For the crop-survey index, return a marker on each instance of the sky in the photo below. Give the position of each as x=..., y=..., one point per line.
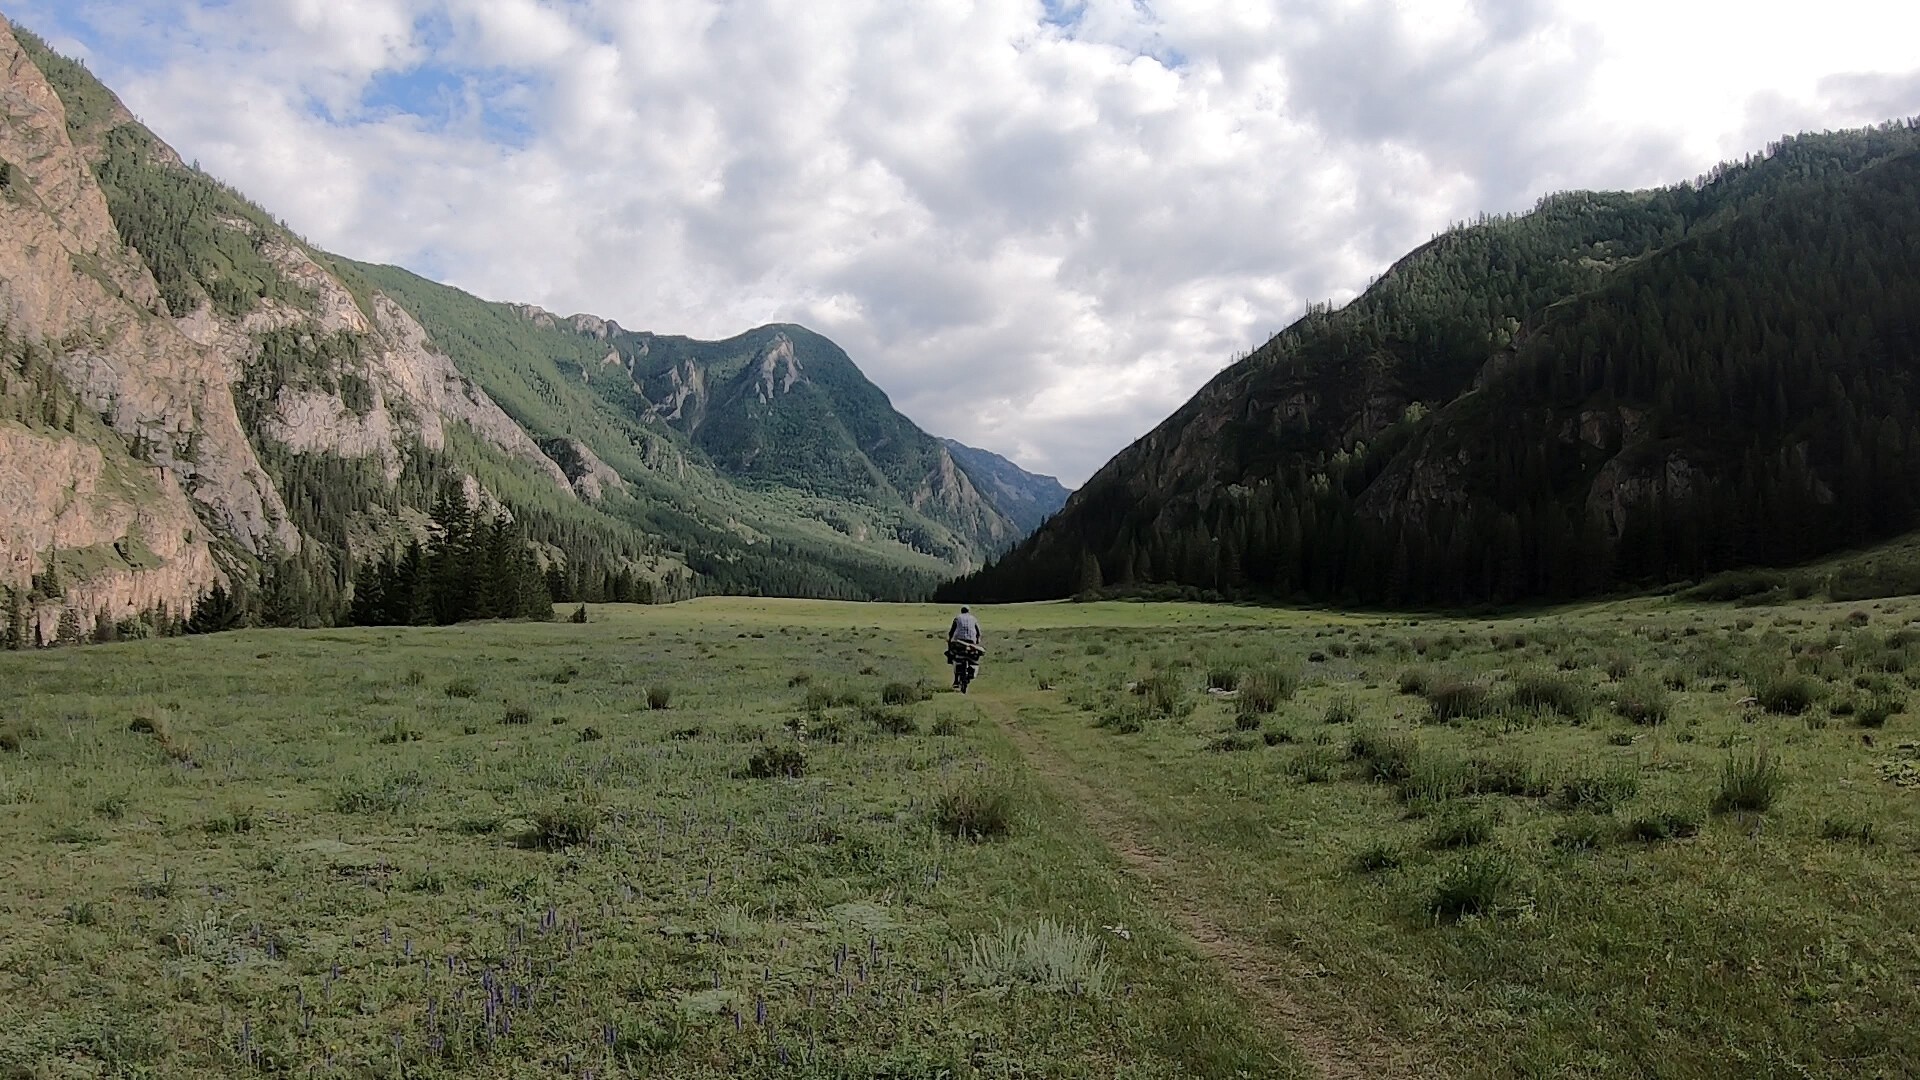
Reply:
x=1039, y=225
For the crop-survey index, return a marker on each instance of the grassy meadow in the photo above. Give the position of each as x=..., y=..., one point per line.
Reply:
x=758, y=838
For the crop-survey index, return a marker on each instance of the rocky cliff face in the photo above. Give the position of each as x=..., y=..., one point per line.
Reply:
x=166, y=381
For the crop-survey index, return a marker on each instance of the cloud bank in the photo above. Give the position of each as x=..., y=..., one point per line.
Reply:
x=1040, y=226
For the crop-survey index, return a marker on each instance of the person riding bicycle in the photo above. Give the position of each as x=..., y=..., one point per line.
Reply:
x=963, y=645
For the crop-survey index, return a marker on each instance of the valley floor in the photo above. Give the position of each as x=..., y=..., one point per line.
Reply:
x=739, y=838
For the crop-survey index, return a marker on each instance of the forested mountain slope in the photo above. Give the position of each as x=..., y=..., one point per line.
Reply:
x=1027, y=498
x=1617, y=389
x=193, y=398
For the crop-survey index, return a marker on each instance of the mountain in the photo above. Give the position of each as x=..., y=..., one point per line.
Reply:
x=193, y=398
x=1027, y=498
x=1615, y=390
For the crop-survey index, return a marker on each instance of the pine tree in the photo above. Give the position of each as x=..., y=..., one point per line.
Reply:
x=18, y=634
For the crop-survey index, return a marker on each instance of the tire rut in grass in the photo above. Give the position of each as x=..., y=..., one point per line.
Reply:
x=1337, y=1055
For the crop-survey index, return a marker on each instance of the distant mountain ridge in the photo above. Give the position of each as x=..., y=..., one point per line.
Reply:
x=193, y=397
x=1027, y=498
x=1617, y=390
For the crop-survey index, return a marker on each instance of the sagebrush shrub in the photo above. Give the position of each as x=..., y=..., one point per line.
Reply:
x=659, y=697
x=904, y=693
x=770, y=762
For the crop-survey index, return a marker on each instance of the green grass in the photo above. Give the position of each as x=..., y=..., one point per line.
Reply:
x=237, y=866
x=276, y=852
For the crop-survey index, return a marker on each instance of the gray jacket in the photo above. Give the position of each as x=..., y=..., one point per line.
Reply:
x=965, y=628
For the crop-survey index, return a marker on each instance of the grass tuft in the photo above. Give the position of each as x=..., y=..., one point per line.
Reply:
x=1475, y=885
x=1749, y=782
x=1788, y=694
x=1046, y=956
x=564, y=825
x=1554, y=693
x=1263, y=689
x=980, y=808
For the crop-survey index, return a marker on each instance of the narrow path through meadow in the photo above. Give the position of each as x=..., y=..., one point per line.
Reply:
x=1260, y=974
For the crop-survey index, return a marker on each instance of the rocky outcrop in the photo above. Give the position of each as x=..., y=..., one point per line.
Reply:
x=67, y=279
x=591, y=477
x=777, y=370
x=124, y=533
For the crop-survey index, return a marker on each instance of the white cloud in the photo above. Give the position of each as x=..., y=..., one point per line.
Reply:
x=1037, y=236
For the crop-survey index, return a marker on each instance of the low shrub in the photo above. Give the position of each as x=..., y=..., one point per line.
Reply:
x=770, y=762
x=399, y=731
x=980, y=808
x=1879, y=709
x=1342, y=710
x=1376, y=857
x=1434, y=778
x=1848, y=830
x=1511, y=776
x=564, y=825
x=1669, y=824
x=889, y=719
x=462, y=688
x=1581, y=834
x=517, y=714
x=1599, y=792
x=590, y=734
x=1643, y=701
x=1453, y=700
x=1749, y=782
x=903, y=693
x=1414, y=681
x=1227, y=744
x=1163, y=695
x=1246, y=721
x=1386, y=758
x=1263, y=689
x=1223, y=678
x=1787, y=694
x=1460, y=830
x=1316, y=765
x=1550, y=693
x=659, y=697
